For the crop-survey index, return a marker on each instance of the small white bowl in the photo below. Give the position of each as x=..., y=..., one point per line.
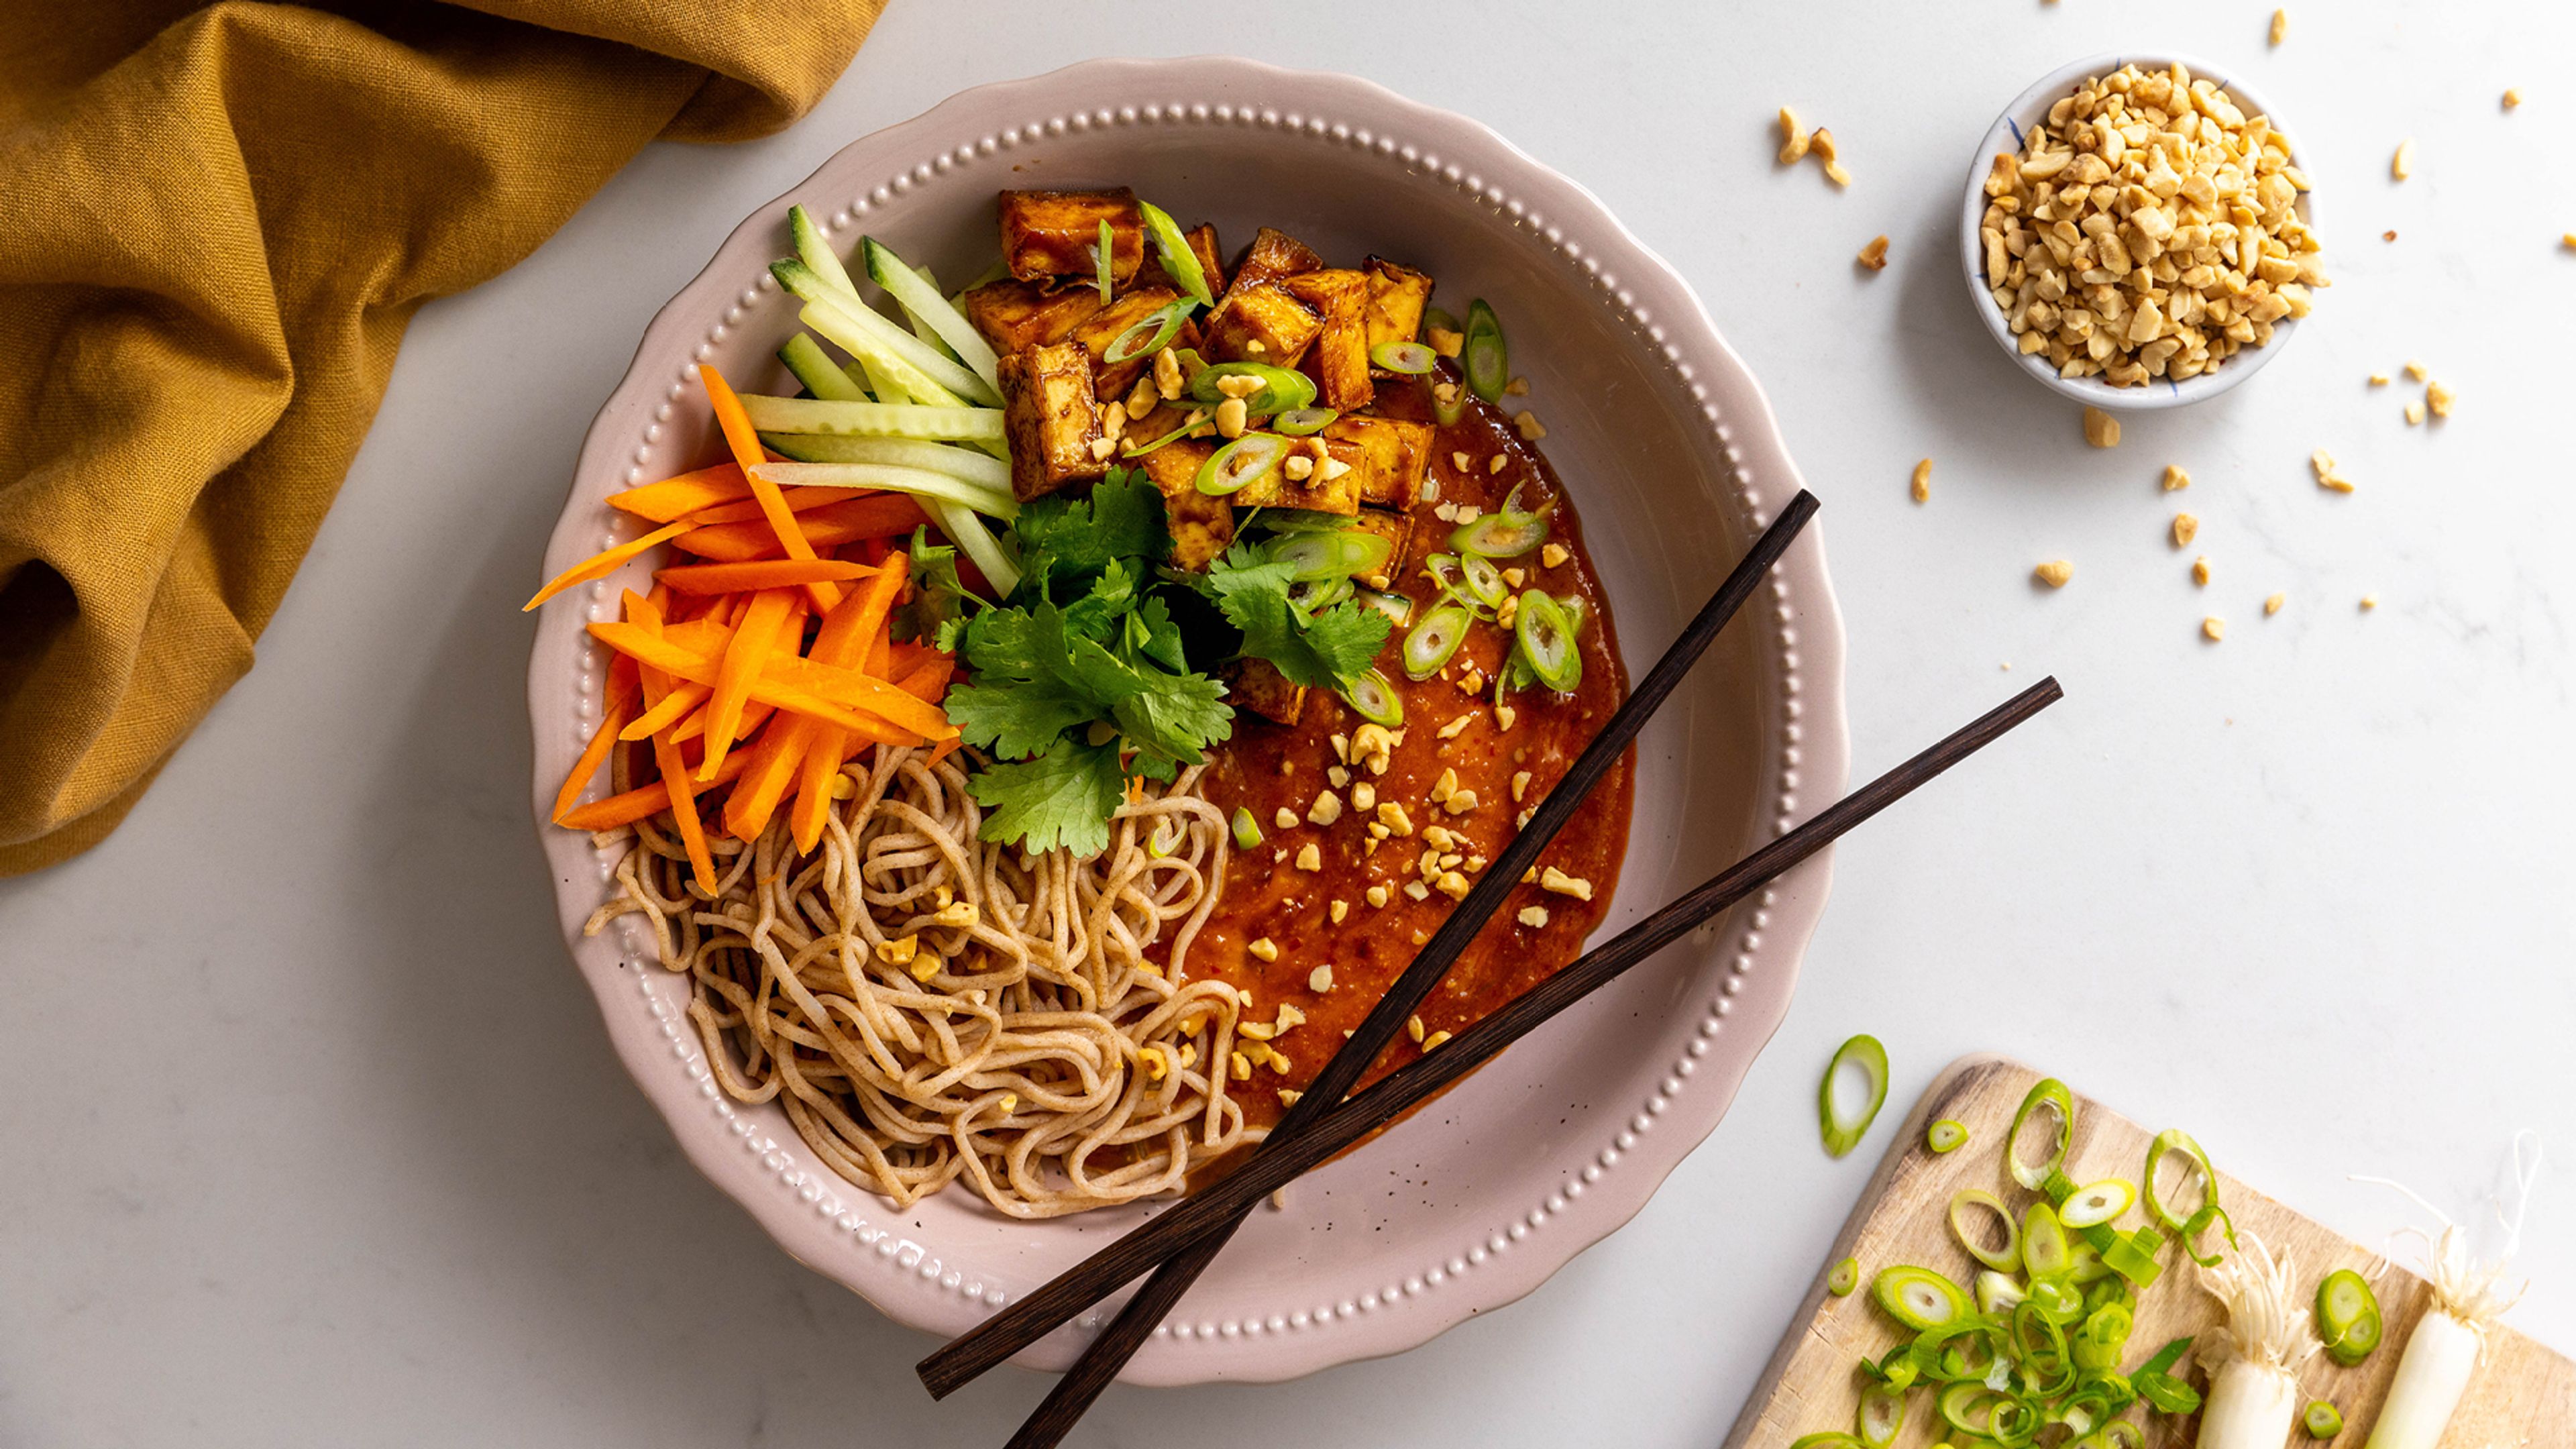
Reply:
x=2029, y=109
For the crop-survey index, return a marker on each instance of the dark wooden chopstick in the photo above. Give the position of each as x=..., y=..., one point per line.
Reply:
x=1202, y=1223
x=1043, y=1310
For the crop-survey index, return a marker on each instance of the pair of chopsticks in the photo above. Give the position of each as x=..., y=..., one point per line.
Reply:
x=1180, y=1243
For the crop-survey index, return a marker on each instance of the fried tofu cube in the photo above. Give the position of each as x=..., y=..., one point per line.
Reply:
x=1103, y=328
x=1389, y=457
x=1257, y=687
x=1340, y=361
x=1275, y=254
x=1202, y=526
x=1330, y=486
x=1057, y=233
x=1202, y=240
x=1261, y=323
x=1397, y=529
x=1398, y=295
x=1015, y=316
x=1053, y=419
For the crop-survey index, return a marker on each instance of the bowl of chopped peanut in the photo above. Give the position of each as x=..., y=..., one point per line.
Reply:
x=2137, y=232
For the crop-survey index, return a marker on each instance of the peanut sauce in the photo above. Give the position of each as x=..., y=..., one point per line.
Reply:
x=1268, y=767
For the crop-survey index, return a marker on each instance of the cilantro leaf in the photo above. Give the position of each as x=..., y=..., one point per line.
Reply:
x=1066, y=539
x=1171, y=725
x=1321, y=652
x=936, y=614
x=1064, y=797
x=1345, y=637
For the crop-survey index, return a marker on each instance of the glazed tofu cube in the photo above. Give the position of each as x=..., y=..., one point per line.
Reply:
x=1261, y=323
x=1202, y=240
x=1275, y=254
x=1053, y=419
x=1202, y=526
x=1057, y=233
x=1389, y=457
x=1103, y=328
x=1015, y=316
x=1397, y=296
x=1340, y=362
x=1330, y=484
x=1257, y=687
x=1397, y=530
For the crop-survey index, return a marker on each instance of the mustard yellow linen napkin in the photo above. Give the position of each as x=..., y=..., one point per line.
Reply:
x=215, y=222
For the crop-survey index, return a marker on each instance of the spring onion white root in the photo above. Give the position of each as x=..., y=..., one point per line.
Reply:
x=2468, y=1297
x=2254, y=1359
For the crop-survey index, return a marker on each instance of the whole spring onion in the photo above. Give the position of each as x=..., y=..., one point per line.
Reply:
x=1172, y=247
x=1150, y=334
x=1247, y=831
x=1485, y=358
x=1238, y=464
x=2254, y=1381
x=1410, y=358
x=1303, y=422
x=1281, y=389
x=1100, y=260
x=2443, y=1351
x=2098, y=1202
x=1843, y=1129
x=2052, y=1094
x=1946, y=1135
x=1546, y=644
x=1435, y=639
x=2005, y=1259
x=1918, y=1297
x=2322, y=1420
x=2347, y=1316
x=1372, y=698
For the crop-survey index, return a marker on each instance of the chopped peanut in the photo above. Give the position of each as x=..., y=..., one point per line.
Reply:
x=1530, y=428
x=1376, y=896
x=2200, y=571
x=1533, y=917
x=1552, y=879
x=1517, y=387
x=2416, y=370
x=1793, y=138
x=2414, y=412
x=2402, y=164
x=1520, y=785
x=1284, y=818
x=2054, y=573
x=1874, y=255
x=2101, y=429
x=1504, y=714
x=899, y=951
x=2370, y=601
x=1320, y=980
x=2273, y=604
x=1264, y=949
x=1392, y=816
x=2214, y=627
x=1553, y=555
x=1326, y=809
x=2185, y=528
x=1310, y=856
x=2512, y=97
x=2438, y=398
x=1445, y=342
x=1822, y=143
x=2329, y=472
x=2175, y=478
x=1456, y=727
x=1923, y=481
x=1434, y=1040
x=2280, y=25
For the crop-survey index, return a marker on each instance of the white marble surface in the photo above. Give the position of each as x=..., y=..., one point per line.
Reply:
x=308, y=1135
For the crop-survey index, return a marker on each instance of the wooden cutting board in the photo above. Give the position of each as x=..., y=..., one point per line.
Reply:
x=2523, y=1394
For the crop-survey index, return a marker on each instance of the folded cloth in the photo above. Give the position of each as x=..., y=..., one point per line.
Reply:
x=215, y=222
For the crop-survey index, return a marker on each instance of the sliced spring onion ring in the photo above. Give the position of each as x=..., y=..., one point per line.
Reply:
x=2190, y=1236
x=1485, y=357
x=2087, y=1267
x=1247, y=831
x=2134, y=1257
x=1239, y=463
x=1882, y=1414
x=2043, y=1242
x=2348, y=1319
x=1843, y=1130
x=1443, y=570
x=1918, y=1297
x=1315, y=598
x=1947, y=1135
x=1372, y=698
x=2050, y=1093
x=2097, y=1342
x=1165, y=839
x=1499, y=535
x=1282, y=389
x=1303, y=422
x=1149, y=335
x=1100, y=260
x=1338, y=554
x=1410, y=358
x=2321, y=1419
x=1844, y=1278
x=1447, y=413
x=1545, y=643
x=2005, y=1259
x=1397, y=608
x=1435, y=639
x=1482, y=581
x=1172, y=246
x=2098, y=1202
x=2174, y=1139
x=1826, y=1439
x=1998, y=1292
x=1173, y=436
x=2053, y=1298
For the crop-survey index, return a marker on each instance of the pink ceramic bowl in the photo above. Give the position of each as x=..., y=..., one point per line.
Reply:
x=1676, y=464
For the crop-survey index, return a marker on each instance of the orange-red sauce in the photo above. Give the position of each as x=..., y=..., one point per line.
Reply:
x=1266, y=767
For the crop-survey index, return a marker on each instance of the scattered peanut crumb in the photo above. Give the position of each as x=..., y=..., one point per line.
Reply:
x=2438, y=398
x=1413, y=1027
x=1527, y=422
x=1822, y=143
x=1434, y=1040
x=1517, y=387
x=2414, y=412
x=1288, y=1097
x=2101, y=429
x=1923, y=481
x=2185, y=529
x=1552, y=879
x=1874, y=254
x=1320, y=980
x=1504, y=714
x=2402, y=164
x=1444, y=341
x=1265, y=949
x=2389, y=235
x=1327, y=807
x=2280, y=25
x=2175, y=478
x=1457, y=459
x=1284, y=818
x=2273, y=604
x=1238, y=1065
x=1495, y=463
x=2054, y=573
x=2567, y=239
x=1299, y=467
x=1520, y=785
x=1534, y=917
x=2200, y=571
x=2416, y=370
x=2379, y=379
x=1364, y=797
x=1337, y=912
x=2512, y=97
x=1553, y=555
x=899, y=951
x=1376, y=896
x=2370, y=601
x=2329, y=472
x=1310, y=856
x=1456, y=727
x=1793, y=138
x=2214, y=627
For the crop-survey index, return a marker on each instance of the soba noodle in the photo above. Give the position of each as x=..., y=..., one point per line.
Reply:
x=1026, y=1043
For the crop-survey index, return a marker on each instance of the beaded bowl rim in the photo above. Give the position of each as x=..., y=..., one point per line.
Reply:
x=855, y=1238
